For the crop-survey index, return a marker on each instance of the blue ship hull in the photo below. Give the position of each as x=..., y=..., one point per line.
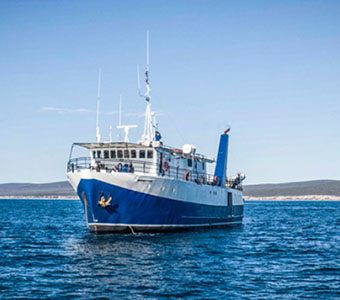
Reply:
x=131, y=211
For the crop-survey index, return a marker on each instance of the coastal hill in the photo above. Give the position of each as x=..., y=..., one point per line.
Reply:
x=54, y=189
x=314, y=187
x=63, y=189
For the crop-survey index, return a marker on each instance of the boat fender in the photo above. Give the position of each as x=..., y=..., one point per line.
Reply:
x=186, y=175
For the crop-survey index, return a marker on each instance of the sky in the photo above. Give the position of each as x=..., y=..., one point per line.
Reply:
x=268, y=69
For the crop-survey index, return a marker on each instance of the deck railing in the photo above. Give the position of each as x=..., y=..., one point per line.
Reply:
x=145, y=167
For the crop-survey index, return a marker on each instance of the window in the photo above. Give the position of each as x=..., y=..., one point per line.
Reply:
x=106, y=153
x=141, y=153
x=189, y=162
x=150, y=153
x=126, y=153
x=133, y=153
x=113, y=153
x=203, y=166
x=94, y=154
x=98, y=154
x=120, y=153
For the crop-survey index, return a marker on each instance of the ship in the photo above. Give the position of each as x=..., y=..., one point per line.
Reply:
x=147, y=186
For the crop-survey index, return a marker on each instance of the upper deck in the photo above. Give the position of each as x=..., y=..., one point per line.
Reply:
x=154, y=160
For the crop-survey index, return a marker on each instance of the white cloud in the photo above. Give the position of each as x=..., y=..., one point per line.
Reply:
x=62, y=110
x=110, y=113
x=136, y=114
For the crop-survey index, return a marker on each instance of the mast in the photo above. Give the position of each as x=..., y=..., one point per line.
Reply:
x=148, y=134
x=98, y=103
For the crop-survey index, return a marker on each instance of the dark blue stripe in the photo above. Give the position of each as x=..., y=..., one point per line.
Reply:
x=130, y=207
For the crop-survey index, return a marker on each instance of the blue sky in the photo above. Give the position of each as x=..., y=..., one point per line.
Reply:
x=270, y=69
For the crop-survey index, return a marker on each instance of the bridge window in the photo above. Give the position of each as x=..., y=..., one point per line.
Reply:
x=106, y=153
x=189, y=162
x=141, y=153
x=94, y=154
x=98, y=154
x=133, y=153
x=150, y=153
x=202, y=165
x=113, y=153
x=126, y=153
x=120, y=153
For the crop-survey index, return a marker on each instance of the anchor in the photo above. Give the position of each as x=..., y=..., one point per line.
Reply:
x=103, y=202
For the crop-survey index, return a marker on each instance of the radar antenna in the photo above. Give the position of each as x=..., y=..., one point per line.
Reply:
x=126, y=131
x=125, y=127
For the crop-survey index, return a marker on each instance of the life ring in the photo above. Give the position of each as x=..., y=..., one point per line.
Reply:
x=166, y=166
x=119, y=167
x=186, y=175
x=215, y=180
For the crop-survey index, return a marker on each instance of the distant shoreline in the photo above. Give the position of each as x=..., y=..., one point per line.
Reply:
x=294, y=198
x=313, y=190
x=39, y=198
x=246, y=198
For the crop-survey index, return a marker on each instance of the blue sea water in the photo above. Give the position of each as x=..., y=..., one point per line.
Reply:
x=283, y=250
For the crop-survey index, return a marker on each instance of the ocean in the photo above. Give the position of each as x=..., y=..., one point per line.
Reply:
x=283, y=250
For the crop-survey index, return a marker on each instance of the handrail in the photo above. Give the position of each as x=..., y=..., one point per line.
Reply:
x=143, y=166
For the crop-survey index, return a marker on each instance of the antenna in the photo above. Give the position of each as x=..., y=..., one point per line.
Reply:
x=138, y=82
x=148, y=134
x=98, y=103
x=120, y=110
x=110, y=134
x=119, y=116
x=154, y=124
x=147, y=69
